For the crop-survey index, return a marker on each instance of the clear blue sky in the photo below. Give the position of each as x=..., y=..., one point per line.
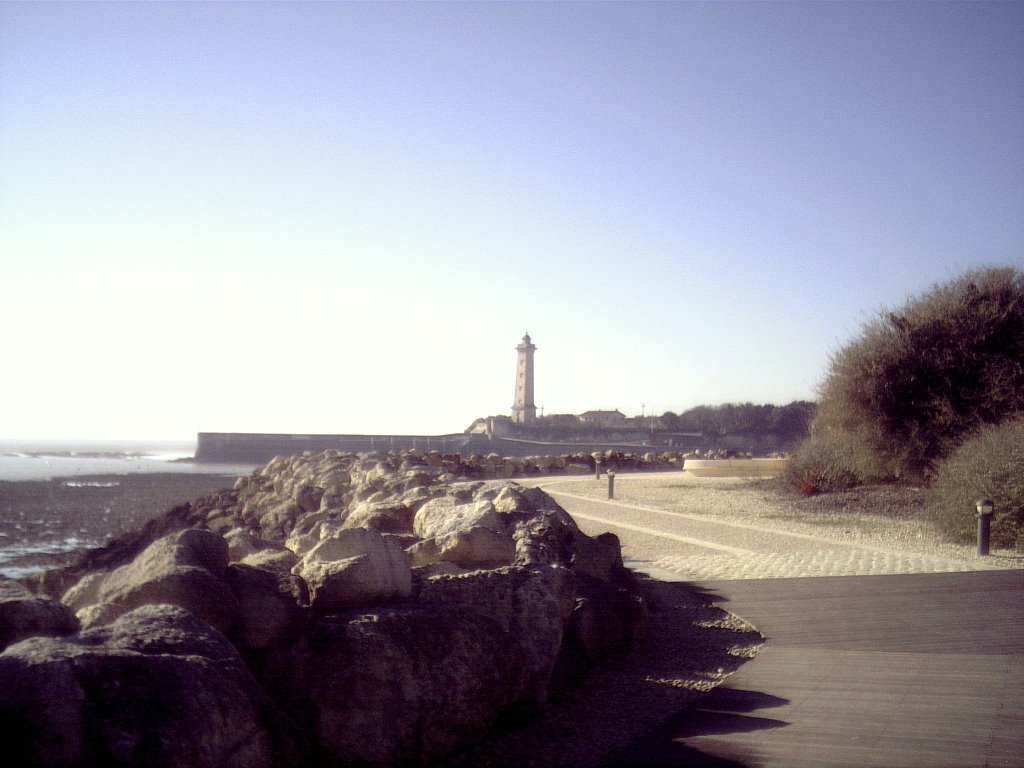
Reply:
x=333, y=217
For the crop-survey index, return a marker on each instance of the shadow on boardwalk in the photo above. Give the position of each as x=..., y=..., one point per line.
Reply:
x=918, y=671
x=691, y=647
x=723, y=711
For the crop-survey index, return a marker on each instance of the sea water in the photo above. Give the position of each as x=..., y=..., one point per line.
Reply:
x=42, y=460
x=47, y=459
x=9, y=553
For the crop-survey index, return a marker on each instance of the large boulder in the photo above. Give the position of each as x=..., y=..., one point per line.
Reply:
x=272, y=559
x=158, y=688
x=443, y=516
x=184, y=569
x=270, y=605
x=354, y=567
x=243, y=542
x=531, y=605
x=383, y=516
x=187, y=586
x=401, y=685
x=86, y=592
x=304, y=537
x=471, y=535
x=278, y=519
x=100, y=614
x=307, y=496
x=192, y=547
x=599, y=557
x=475, y=547
x=244, y=546
x=22, y=614
x=336, y=498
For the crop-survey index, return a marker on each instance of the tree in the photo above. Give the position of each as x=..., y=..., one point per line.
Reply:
x=788, y=423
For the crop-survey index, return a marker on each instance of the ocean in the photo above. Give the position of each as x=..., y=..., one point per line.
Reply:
x=38, y=532
x=47, y=459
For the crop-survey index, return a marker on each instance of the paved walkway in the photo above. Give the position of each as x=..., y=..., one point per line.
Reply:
x=861, y=668
x=677, y=545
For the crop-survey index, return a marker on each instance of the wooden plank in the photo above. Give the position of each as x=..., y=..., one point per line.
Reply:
x=927, y=613
x=922, y=671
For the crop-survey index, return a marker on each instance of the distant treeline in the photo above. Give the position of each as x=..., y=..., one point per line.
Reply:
x=788, y=424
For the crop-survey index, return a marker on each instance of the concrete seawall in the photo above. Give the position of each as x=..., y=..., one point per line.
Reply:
x=258, y=448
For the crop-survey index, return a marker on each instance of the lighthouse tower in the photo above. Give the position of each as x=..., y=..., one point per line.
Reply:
x=523, y=409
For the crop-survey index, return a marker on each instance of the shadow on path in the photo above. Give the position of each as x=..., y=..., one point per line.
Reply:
x=722, y=711
x=916, y=670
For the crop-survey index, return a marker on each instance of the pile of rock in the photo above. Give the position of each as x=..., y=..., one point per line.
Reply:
x=478, y=466
x=332, y=609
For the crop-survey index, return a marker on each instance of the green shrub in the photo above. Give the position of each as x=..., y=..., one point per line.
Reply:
x=989, y=466
x=832, y=462
x=920, y=379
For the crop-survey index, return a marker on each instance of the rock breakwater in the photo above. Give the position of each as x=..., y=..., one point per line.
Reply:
x=330, y=609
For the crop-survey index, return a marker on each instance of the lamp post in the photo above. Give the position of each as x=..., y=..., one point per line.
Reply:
x=984, y=515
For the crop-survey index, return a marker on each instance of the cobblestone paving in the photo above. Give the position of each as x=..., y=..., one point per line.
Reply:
x=825, y=562
x=692, y=548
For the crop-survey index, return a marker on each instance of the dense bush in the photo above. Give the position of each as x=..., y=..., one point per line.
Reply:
x=919, y=380
x=823, y=464
x=989, y=466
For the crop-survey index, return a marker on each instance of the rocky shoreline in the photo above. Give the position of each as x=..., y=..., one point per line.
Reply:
x=359, y=610
x=47, y=524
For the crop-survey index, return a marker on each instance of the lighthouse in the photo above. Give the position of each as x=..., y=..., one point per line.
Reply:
x=523, y=409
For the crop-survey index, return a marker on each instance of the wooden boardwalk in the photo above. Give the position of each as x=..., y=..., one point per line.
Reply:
x=909, y=671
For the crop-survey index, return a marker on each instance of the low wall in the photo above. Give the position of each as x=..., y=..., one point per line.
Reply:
x=735, y=467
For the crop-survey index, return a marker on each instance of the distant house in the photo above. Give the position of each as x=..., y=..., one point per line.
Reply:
x=603, y=418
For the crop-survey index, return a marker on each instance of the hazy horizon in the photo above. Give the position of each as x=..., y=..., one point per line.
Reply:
x=342, y=217
x=40, y=443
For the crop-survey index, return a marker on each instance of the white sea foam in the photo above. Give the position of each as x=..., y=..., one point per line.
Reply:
x=17, y=571
x=169, y=456
x=9, y=555
x=69, y=544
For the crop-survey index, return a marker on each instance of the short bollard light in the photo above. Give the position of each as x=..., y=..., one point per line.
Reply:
x=611, y=484
x=984, y=507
